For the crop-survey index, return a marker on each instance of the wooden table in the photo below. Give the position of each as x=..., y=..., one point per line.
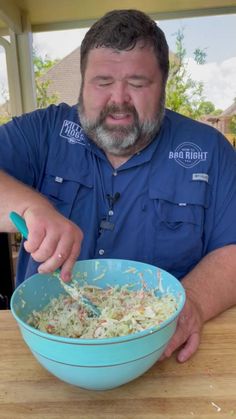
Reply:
x=203, y=387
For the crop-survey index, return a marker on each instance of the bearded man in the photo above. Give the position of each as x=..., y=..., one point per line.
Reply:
x=119, y=176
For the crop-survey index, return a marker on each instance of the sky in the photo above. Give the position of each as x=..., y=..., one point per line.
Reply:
x=215, y=35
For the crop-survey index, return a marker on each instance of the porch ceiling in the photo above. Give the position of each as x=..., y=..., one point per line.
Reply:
x=45, y=15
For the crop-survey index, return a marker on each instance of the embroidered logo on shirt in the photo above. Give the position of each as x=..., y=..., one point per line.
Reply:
x=200, y=176
x=188, y=155
x=72, y=132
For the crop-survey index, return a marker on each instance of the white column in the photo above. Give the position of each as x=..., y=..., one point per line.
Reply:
x=13, y=78
x=22, y=67
x=20, y=71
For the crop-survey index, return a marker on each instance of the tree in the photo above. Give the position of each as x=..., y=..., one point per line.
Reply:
x=41, y=66
x=208, y=108
x=5, y=114
x=232, y=125
x=4, y=119
x=183, y=94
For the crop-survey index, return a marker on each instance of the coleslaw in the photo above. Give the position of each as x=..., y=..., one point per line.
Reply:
x=123, y=311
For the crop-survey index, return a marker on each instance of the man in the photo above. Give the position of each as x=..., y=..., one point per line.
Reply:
x=126, y=178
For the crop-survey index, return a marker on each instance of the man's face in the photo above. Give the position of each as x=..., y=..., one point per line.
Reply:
x=122, y=99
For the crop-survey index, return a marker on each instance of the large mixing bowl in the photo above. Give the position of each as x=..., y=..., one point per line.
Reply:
x=97, y=364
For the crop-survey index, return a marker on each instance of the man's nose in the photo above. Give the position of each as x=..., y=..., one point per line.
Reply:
x=119, y=93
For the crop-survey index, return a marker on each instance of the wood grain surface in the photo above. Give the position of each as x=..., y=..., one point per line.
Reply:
x=203, y=387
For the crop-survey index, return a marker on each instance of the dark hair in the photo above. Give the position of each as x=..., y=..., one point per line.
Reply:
x=121, y=30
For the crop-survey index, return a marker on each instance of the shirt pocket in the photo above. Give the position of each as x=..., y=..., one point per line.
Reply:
x=63, y=190
x=175, y=216
x=178, y=225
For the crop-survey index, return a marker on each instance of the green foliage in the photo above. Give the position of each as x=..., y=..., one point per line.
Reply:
x=217, y=112
x=4, y=119
x=183, y=94
x=43, y=98
x=41, y=66
x=5, y=114
x=208, y=108
x=232, y=125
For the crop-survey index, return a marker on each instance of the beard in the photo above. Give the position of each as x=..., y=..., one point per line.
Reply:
x=121, y=140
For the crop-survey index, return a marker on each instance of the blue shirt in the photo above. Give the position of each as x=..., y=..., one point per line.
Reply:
x=175, y=200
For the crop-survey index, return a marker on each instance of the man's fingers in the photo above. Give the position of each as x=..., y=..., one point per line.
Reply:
x=46, y=248
x=34, y=241
x=69, y=263
x=64, y=256
x=189, y=347
x=53, y=240
x=67, y=268
x=174, y=343
x=60, y=253
x=187, y=335
x=180, y=336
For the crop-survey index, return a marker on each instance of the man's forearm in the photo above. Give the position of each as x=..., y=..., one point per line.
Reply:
x=212, y=283
x=15, y=196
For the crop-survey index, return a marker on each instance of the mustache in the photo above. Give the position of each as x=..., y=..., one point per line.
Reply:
x=114, y=108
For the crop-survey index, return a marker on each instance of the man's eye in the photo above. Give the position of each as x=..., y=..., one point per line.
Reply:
x=104, y=83
x=136, y=85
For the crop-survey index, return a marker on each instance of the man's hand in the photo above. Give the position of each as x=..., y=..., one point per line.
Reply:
x=210, y=289
x=53, y=240
x=187, y=334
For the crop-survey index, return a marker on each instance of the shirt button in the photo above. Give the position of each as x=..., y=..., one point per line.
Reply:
x=110, y=212
x=115, y=173
x=101, y=252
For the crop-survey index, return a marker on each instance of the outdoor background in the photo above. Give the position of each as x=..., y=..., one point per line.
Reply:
x=214, y=35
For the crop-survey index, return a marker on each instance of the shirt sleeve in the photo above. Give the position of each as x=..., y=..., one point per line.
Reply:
x=23, y=146
x=220, y=225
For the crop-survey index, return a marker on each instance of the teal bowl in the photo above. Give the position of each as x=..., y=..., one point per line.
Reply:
x=96, y=364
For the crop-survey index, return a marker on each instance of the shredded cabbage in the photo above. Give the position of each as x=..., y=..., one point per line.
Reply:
x=123, y=311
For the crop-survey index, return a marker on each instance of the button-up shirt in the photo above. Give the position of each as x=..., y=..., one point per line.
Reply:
x=168, y=205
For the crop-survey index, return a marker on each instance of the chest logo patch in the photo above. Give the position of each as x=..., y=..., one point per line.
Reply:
x=72, y=132
x=188, y=155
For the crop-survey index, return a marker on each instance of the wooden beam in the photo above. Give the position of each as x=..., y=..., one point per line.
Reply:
x=11, y=15
x=68, y=23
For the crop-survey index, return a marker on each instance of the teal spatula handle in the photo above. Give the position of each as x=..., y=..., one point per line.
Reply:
x=21, y=226
x=19, y=223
